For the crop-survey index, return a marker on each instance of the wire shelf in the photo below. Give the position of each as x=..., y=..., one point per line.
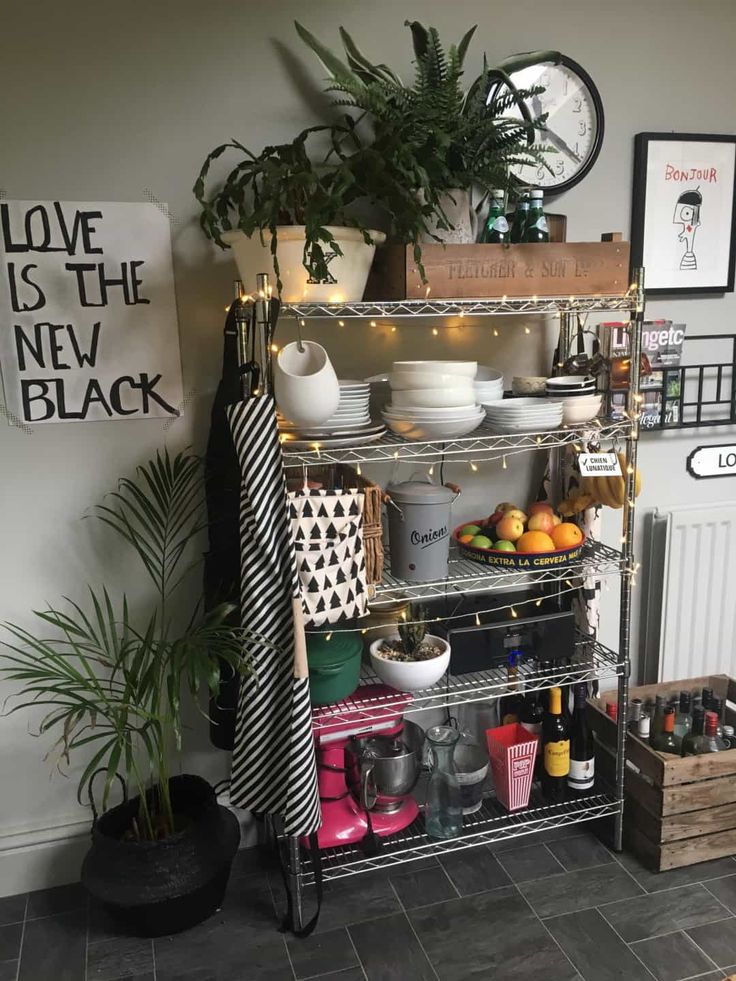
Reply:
x=466, y=576
x=491, y=823
x=483, y=441
x=590, y=662
x=458, y=307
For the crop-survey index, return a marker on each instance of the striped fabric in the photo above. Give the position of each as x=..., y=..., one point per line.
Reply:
x=273, y=767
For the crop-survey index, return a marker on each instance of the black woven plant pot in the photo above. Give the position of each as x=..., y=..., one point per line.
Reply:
x=167, y=886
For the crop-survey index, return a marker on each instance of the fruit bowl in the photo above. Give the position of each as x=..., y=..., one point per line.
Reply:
x=516, y=560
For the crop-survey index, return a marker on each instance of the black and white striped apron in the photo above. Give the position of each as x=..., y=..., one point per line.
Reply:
x=273, y=766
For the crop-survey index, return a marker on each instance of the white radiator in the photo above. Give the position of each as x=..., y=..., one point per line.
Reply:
x=693, y=555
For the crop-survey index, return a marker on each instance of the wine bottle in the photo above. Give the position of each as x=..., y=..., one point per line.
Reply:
x=658, y=717
x=683, y=720
x=531, y=716
x=709, y=741
x=691, y=740
x=707, y=697
x=664, y=741
x=556, y=749
x=582, y=748
x=635, y=712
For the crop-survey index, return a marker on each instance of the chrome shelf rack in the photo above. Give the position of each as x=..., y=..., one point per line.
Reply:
x=465, y=576
x=492, y=823
x=481, y=443
x=591, y=661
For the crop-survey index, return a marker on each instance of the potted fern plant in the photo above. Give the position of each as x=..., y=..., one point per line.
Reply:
x=436, y=137
x=411, y=658
x=280, y=211
x=111, y=684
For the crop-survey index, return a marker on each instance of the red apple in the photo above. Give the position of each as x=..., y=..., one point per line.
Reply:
x=539, y=506
x=541, y=521
x=495, y=517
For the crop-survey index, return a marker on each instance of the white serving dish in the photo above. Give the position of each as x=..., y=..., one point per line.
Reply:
x=512, y=405
x=403, y=380
x=570, y=381
x=425, y=430
x=575, y=411
x=433, y=398
x=433, y=415
x=410, y=675
x=466, y=369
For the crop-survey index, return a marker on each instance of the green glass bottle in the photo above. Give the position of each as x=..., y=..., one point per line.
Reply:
x=536, y=227
x=520, y=219
x=496, y=229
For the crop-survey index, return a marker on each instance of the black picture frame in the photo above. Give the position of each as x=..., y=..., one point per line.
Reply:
x=642, y=146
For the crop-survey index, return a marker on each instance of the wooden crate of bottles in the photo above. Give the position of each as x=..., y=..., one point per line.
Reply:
x=480, y=271
x=678, y=810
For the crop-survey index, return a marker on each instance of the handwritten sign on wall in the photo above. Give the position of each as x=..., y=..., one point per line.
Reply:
x=88, y=327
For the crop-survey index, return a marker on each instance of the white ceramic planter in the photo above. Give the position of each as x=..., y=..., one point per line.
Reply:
x=306, y=386
x=410, y=675
x=349, y=271
x=456, y=205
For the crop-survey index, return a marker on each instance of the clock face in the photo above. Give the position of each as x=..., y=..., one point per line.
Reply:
x=574, y=126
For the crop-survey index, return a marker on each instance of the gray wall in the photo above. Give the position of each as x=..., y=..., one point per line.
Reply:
x=104, y=101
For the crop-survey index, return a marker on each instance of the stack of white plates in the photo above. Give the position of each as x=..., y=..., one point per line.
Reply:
x=488, y=384
x=353, y=409
x=570, y=386
x=525, y=415
x=433, y=399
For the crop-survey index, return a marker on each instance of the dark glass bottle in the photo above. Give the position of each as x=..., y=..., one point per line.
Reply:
x=683, y=720
x=581, y=777
x=521, y=216
x=710, y=741
x=556, y=749
x=664, y=741
x=536, y=225
x=657, y=717
x=707, y=698
x=690, y=741
x=496, y=229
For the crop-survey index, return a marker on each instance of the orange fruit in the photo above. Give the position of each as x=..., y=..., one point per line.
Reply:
x=540, y=506
x=466, y=538
x=509, y=528
x=535, y=541
x=566, y=535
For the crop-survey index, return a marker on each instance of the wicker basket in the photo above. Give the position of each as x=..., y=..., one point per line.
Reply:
x=344, y=476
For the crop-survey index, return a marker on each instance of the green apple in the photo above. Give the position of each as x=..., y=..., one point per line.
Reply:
x=481, y=541
x=503, y=546
x=470, y=530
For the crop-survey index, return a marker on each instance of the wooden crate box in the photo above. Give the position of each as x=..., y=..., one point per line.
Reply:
x=481, y=271
x=678, y=811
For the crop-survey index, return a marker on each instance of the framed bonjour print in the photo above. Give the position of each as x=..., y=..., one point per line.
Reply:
x=683, y=216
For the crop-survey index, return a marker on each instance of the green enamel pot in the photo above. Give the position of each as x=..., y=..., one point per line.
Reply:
x=334, y=665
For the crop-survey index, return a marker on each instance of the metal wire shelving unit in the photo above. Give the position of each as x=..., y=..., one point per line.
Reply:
x=592, y=660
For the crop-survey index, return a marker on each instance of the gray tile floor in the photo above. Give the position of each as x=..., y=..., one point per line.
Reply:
x=558, y=906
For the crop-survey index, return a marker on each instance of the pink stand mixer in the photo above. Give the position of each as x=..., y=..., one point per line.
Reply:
x=366, y=772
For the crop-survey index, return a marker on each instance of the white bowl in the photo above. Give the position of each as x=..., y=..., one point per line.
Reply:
x=528, y=385
x=512, y=405
x=402, y=380
x=433, y=398
x=433, y=415
x=423, y=430
x=466, y=369
x=485, y=373
x=410, y=675
x=576, y=411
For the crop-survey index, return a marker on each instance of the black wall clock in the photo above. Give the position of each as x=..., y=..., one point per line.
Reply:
x=574, y=123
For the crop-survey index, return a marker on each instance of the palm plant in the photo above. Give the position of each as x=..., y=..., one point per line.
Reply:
x=112, y=686
x=436, y=135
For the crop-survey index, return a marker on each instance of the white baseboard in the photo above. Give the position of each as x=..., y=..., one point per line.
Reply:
x=43, y=857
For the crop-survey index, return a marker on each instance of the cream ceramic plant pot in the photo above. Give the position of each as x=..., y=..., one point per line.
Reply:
x=348, y=272
x=460, y=214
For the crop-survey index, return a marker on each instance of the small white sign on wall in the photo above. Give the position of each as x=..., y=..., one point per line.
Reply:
x=88, y=327
x=712, y=461
x=599, y=465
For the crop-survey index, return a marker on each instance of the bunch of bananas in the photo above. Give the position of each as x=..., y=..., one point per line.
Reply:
x=610, y=491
